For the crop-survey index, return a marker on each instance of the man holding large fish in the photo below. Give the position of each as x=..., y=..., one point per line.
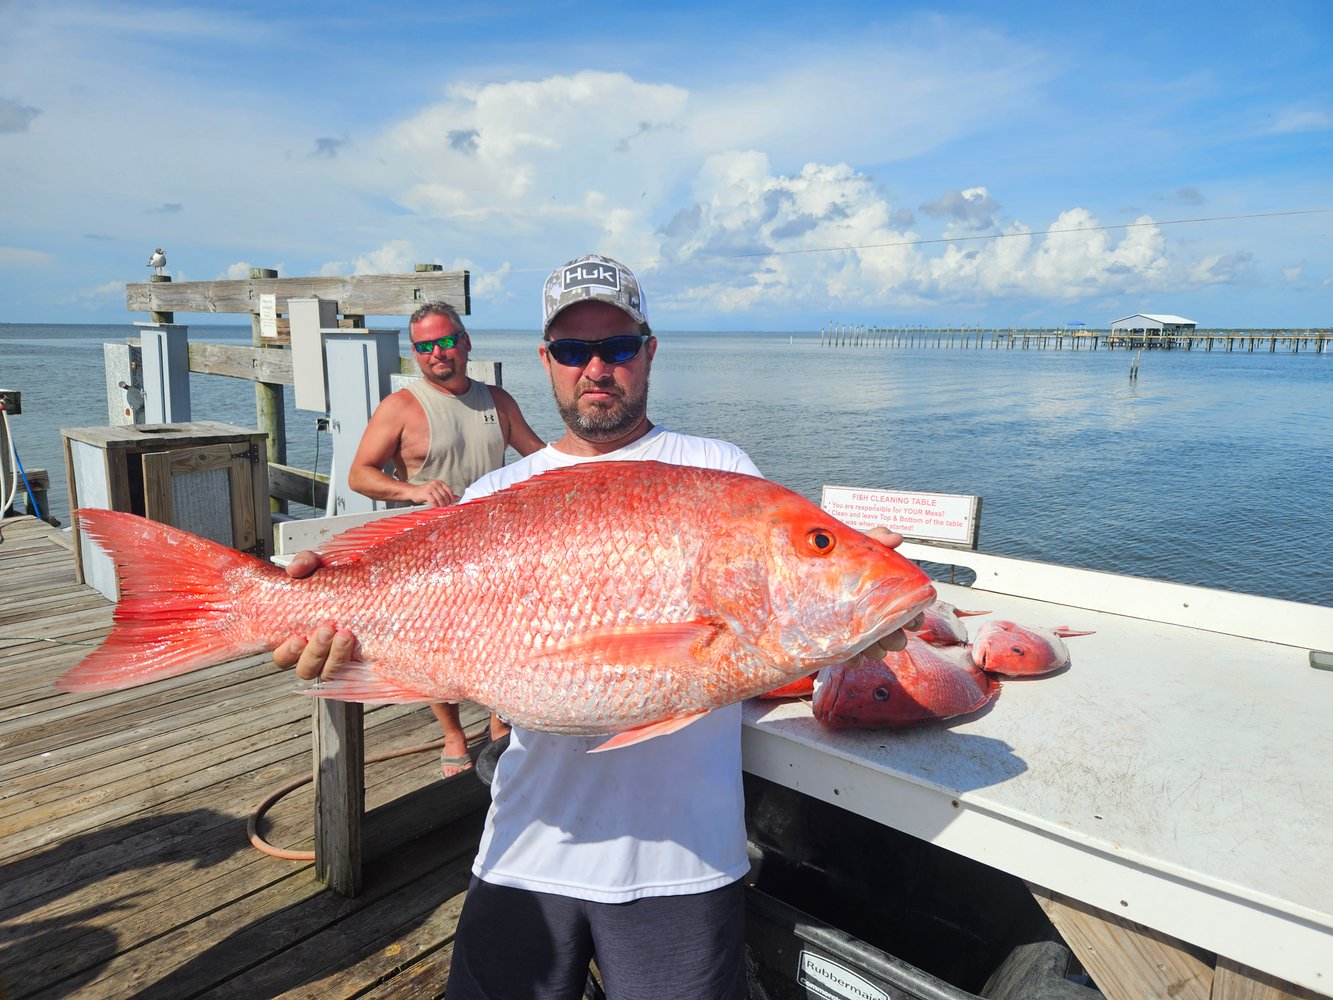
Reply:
x=701, y=586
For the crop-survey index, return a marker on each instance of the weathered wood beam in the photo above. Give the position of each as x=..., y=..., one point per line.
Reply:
x=259, y=364
x=288, y=483
x=356, y=295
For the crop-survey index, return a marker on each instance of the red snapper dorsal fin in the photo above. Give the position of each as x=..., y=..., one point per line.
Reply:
x=347, y=547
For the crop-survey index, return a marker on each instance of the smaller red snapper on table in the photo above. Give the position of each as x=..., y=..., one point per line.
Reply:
x=1013, y=650
x=919, y=684
x=933, y=678
x=941, y=625
x=625, y=598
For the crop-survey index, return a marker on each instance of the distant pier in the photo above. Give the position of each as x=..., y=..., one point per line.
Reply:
x=1268, y=341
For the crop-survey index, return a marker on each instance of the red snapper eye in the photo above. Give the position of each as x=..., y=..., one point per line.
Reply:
x=821, y=541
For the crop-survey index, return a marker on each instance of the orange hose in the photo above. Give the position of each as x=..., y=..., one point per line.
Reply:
x=252, y=824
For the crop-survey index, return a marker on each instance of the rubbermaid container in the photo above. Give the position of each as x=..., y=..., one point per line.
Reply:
x=793, y=956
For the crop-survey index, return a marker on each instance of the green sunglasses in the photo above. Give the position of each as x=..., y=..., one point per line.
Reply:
x=443, y=343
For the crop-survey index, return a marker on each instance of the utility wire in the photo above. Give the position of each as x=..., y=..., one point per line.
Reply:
x=1001, y=236
x=965, y=239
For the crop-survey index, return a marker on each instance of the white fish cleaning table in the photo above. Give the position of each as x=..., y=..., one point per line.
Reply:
x=1168, y=798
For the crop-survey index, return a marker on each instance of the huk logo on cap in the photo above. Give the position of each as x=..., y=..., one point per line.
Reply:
x=588, y=273
x=592, y=277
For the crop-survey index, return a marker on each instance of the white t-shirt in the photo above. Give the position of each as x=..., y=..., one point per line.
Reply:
x=664, y=817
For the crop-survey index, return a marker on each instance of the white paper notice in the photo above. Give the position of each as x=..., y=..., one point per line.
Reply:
x=268, y=315
x=950, y=518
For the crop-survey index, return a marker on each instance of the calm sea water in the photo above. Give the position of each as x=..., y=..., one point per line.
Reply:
x=1213, y=469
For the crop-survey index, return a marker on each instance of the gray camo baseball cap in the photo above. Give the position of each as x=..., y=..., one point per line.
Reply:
x=592, y=276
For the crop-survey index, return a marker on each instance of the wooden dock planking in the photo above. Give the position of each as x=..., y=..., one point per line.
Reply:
x=124, y=864
x=268, y=756
x=173, y=743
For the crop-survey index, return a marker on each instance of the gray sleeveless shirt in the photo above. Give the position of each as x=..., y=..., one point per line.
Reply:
x=465, y=437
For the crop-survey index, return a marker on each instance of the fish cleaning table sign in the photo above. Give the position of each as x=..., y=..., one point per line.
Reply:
x=943, y=518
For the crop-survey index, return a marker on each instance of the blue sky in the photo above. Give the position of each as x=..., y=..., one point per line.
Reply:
x=730, y=153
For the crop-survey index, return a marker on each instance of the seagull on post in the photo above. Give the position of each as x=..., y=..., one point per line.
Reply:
x=157, y=261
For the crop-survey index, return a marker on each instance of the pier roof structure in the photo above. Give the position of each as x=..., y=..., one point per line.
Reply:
x=1153, y=321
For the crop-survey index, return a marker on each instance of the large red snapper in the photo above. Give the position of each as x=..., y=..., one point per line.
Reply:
x=921, y=683
x=608, y=597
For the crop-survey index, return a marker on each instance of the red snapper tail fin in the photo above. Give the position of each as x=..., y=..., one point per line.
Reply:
x=178, y=607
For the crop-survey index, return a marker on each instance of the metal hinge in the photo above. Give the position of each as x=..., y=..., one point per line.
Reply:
x=253, y=453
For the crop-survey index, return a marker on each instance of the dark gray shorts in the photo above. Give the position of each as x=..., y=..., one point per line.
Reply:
x=513, y=944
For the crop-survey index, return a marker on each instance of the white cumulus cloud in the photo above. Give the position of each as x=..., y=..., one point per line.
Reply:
x=393, y=257
x=533, y=154
x=753, y=238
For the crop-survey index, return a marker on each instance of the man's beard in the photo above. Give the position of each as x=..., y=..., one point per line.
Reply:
x=603, y=424
x=450, y=370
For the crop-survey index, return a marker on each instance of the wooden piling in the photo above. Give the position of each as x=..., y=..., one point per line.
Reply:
x=270, y=417
x=161, y=317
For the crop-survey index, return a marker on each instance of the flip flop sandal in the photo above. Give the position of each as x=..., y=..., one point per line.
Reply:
x=463, y=762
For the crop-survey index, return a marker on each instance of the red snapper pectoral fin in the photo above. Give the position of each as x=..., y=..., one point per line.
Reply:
x=631, y=736
x=638, y=647
x=657, y=644
x=357, y=681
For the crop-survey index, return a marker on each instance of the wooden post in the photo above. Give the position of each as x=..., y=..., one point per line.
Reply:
x=270, y=417
x=161, y=317
x=340, y=797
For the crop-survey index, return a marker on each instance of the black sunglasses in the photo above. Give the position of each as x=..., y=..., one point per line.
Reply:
x=612, y=350
x=443, y=343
